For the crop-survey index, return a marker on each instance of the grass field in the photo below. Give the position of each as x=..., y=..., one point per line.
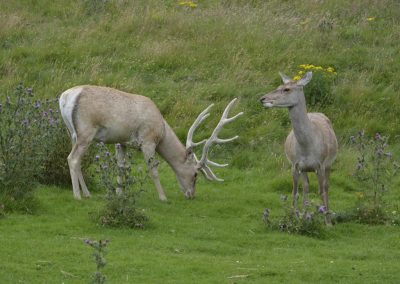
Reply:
x=217, y=238
x=184, y=59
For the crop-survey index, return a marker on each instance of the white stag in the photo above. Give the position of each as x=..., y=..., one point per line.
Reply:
x=112, y=116
x=311, y=145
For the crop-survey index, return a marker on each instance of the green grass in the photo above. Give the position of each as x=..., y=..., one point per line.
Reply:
x=185, y=59
x=218, y=235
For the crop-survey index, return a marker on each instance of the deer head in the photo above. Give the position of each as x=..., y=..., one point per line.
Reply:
x=287, y=95
x=195, y=165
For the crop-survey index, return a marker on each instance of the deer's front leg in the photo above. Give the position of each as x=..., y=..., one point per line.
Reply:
x=306, y=185
x=120, y=151
x=149, y=154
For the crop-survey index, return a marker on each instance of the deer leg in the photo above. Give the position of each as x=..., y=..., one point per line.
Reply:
x=74, y=163
x=120, y=151
x=323, y=175
x=295, y=174
x=149, y=155
x=306, y=184
x=328, y=220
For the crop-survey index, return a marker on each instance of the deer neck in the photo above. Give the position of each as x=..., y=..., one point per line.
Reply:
x=301, y=124
x=172, y=150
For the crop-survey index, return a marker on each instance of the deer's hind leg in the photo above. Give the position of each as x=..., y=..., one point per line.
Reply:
x=323, y=176
x=74, y=162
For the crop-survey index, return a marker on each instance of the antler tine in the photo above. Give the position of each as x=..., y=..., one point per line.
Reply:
x=202, y=116
x=204, y=162
x=209, y=174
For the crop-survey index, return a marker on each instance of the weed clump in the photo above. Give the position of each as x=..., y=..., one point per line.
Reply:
x=374, y=171
x=307, y=221
x=124, y=182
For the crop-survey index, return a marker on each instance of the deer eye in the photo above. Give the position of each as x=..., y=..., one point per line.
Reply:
x=286, y=90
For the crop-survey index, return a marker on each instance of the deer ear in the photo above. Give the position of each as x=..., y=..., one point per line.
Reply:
x=285, y=78
x=305, y=80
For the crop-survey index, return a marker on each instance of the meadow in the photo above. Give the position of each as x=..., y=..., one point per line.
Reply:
x=185, y=57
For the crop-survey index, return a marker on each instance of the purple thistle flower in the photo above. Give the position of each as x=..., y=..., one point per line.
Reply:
x=321, y=209
x=45, y=114
x=29, y=91
x=51, y=121
x=118, y=146
x=353, y=139
x=107, y=154
x=97, y=158
x=37, y=105
x=50, y=110
x=307, y=203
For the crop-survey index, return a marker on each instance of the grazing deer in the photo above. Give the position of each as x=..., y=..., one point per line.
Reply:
x=311, y=145
x=112, y=116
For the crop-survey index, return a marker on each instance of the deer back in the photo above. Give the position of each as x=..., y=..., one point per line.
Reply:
x=117, y=116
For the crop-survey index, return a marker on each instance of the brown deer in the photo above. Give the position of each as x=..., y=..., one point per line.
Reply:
x=112, y=116
x=311, y=145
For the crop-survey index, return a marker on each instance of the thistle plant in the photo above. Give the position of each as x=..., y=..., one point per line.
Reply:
x=99, y=248
x=26, y=131
x=374, y=170
x=124, y=182
x=308, y=220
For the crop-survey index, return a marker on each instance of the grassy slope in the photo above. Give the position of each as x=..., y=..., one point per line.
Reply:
x=184, y=59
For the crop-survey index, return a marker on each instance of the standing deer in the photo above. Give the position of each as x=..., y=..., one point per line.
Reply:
x=112, y=116
x=311, y=145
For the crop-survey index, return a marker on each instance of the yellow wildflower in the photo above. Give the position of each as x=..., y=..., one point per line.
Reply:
x=309, y=66
x=330, y=70
x=318, y=68
x=296, y=78
x=370, y=19
x=301, y=72
x=188, y=3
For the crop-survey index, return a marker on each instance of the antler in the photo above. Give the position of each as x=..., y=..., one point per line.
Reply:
x=204, y=162
x=202, y=116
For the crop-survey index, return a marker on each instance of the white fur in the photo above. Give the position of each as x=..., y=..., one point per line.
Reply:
x=67, y=103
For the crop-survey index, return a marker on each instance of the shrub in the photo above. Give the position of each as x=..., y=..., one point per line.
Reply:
x=123, y=183
x=308, y=221
x=319, y=90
